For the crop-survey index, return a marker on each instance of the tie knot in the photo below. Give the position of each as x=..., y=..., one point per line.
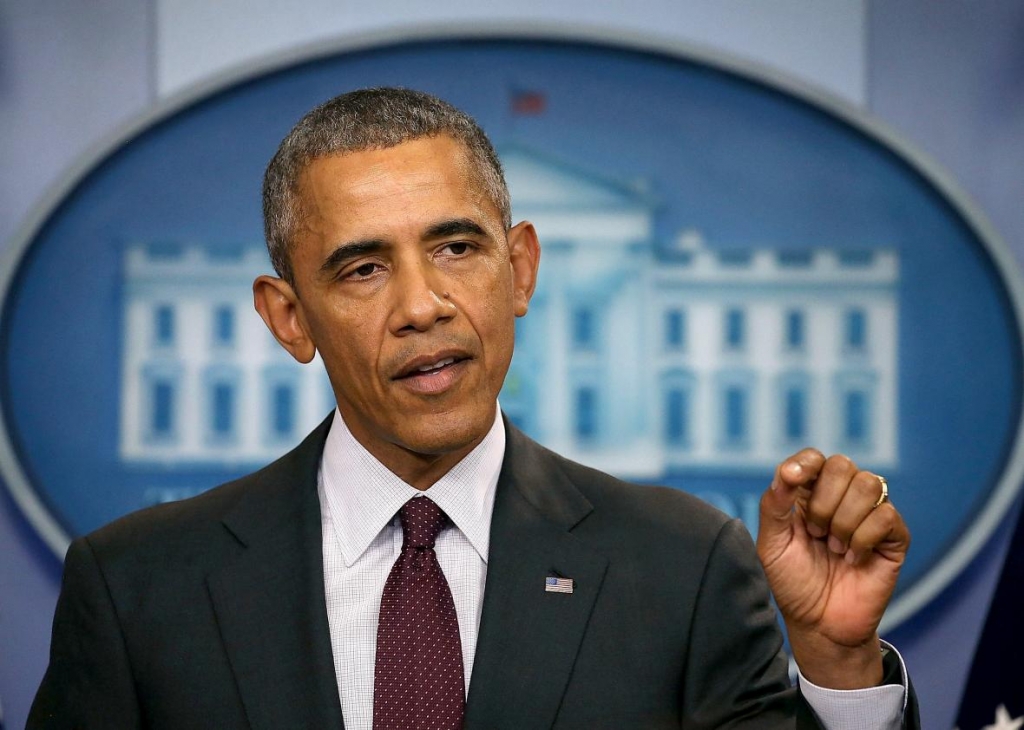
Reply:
x=422, y=521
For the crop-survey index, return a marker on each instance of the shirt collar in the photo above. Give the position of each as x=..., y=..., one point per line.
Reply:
x=363, y=495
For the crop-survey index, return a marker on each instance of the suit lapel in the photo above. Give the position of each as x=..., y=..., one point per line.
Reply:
x=269, y=599
x=529, y=638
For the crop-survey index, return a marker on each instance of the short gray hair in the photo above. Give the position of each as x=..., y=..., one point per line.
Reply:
x=364, y=120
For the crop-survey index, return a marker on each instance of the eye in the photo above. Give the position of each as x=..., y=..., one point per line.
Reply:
x=457, y=248
x=363, y=271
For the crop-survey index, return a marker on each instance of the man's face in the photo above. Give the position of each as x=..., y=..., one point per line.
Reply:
x=407, y=284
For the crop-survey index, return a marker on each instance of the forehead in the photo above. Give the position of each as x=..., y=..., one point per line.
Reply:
x=412, y=172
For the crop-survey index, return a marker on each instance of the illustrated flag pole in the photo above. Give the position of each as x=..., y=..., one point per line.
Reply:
x=994, y=698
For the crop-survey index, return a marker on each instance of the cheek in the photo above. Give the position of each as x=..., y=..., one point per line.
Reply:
x=498, y=332
x=350, y=345
x=501, y=307
x=491, y=290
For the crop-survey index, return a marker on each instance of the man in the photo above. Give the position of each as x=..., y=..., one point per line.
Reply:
x=558, y=596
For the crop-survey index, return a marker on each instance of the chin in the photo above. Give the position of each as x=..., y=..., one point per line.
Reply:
x=450, y=432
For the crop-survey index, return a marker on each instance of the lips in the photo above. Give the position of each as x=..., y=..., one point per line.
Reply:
x=436, y=365
x=432, y=374
x=426, y=365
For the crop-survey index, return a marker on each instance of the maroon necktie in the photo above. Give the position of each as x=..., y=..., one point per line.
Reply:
x=418, y=682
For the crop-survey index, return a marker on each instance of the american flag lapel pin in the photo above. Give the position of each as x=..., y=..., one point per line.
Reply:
x=557, y=584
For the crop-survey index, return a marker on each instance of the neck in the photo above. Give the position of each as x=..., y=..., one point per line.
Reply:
x=422, y=471
x=423, y=454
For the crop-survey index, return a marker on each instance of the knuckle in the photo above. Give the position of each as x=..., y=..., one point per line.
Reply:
x=818, y=513
x=845, y=524
x=842, y=529
x=840, y=463
x=866, y=484
x=861, y=542
x=810, y=455
x=893, y=520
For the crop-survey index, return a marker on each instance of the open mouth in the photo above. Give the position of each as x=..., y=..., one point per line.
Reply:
x=440, y=364
x=433, y=375
x=433, y=367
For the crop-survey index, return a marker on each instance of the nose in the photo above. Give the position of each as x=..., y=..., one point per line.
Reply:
x=420, y=298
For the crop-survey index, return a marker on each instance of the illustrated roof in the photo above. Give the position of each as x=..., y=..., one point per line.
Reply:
x=537, y=179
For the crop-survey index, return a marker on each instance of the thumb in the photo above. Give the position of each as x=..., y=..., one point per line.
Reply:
x=777, y=515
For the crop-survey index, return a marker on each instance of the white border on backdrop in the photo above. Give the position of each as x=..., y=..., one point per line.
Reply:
x=926, y=588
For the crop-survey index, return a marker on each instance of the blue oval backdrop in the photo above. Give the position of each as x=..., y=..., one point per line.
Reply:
x=730, y=272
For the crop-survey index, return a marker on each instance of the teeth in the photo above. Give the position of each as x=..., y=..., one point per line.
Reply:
x=436, y=365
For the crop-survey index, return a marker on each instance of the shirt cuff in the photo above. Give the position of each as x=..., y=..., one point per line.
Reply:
x=858, y=709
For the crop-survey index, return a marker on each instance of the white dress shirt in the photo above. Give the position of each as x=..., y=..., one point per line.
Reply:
x=362, y=538
x=855, y=709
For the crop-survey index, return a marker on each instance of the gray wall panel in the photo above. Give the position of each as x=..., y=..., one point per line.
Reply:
x=949, y=77
x=70, y=74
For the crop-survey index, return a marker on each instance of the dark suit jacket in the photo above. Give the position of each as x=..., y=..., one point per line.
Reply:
x=210, y=613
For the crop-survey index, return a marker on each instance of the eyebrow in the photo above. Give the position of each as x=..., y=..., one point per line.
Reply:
x=454, y=227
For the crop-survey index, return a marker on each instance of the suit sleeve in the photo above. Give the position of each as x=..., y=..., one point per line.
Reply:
x=88, y=683
x=737, y=673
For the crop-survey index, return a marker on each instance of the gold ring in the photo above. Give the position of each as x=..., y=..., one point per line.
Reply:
x=884, y=496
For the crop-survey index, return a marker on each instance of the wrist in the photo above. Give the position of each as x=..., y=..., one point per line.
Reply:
x=837, y=666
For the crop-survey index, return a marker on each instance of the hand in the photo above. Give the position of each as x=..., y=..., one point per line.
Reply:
x=832, y=555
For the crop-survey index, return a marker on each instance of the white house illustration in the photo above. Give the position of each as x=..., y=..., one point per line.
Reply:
x=640, y=357
x=203, y=380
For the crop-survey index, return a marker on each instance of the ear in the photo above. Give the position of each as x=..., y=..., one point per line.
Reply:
x=279, y=305
x=524, y=257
